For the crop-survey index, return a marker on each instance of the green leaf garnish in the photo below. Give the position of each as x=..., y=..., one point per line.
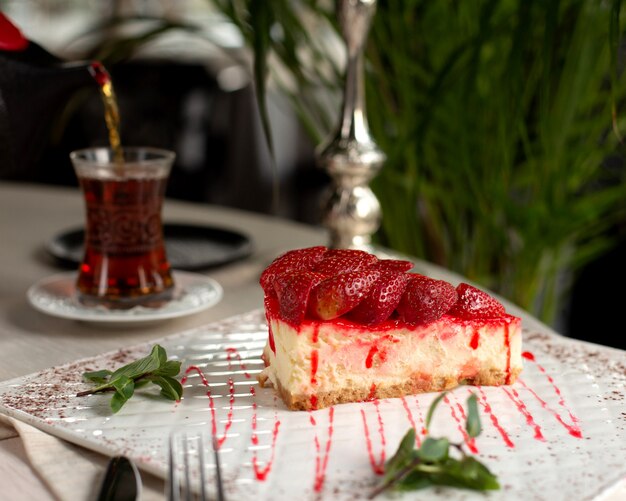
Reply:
x=169, y=368
x=117, y=401
x=434, y=449
x=433, y=406
x=154, y=368
x=98, y=377
x=472, y=424
x=170, y=387
x=432, y=464
x=142, y=366
x=403, y=455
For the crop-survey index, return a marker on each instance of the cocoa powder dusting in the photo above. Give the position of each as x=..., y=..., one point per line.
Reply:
x=52, y=391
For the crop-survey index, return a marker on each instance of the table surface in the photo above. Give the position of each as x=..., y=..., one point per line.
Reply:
x=30, y=215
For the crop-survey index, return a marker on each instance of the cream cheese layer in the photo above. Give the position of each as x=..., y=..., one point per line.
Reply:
x=327, y=356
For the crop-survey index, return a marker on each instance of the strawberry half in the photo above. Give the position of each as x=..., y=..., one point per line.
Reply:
x=299, y=259
x=474, y=303
x=425, y=300
x=382, y=299
x=337, y=261
x=338, y=295
x=292, y=290
x=392, y=265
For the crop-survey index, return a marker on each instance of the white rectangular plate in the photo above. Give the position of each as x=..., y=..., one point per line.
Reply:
x=558, y=433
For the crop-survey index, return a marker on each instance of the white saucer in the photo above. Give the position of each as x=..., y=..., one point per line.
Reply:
x=56, y=296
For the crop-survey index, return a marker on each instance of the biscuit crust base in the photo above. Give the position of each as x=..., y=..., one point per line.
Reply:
x=416, y=383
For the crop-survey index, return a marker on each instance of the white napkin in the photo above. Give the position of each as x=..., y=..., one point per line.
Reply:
x=72, y=473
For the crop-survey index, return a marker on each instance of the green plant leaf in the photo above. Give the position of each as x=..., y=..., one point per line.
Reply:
x=98, y=377
x=505, y=105
x=403, y=456
x=431, y=409
x=472, y=424
x=124, y=389
x=410, y=469
x=124, y=385
x=494, y=116
x=467, y=473
x=261, y=19
x=154, y=368
x=169, y=368
x=170, y=387
x=413, y=481
x=142, y=366
x=434, y=450
x=117, y=402
x=161, y=354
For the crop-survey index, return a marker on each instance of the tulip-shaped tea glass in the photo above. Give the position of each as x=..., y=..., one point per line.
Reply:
x=125, y=263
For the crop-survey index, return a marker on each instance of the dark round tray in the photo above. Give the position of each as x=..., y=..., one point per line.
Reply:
x=189, y=247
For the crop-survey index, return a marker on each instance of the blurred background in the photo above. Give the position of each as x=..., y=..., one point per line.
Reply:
x=502, y=121
x=182, y=77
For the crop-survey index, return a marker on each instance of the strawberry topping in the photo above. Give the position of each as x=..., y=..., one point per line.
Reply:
x=321, y=283
x=474, y=303
x=269, y=307
x=339, y=294
x=392, y=265
x=382, y=299
x=299, y=259
x=425, y=300
x=338, y=261
x=292, y=289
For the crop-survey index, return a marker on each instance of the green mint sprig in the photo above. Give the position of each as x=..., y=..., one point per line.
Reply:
x=432, y=464
x=155, y=368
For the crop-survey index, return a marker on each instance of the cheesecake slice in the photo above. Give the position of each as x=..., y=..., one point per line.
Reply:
x=345, y=326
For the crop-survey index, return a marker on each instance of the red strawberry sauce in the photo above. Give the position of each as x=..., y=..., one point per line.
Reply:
x=314, y=365
x=260, y=472
x=321, y=458
x=572, y=428
x=375, y=439
x=475, y=340
x=231, y=390
x=494, y=419
x=376, y=348
x=378, y=465
x=460, y=421
x=521, y=406
x=422, y=428
x=370, y=356
x=507, y=342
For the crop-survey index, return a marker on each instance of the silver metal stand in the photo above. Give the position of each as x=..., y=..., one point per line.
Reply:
x=351, y=157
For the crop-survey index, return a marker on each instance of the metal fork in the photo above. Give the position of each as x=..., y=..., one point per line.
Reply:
x=188, y=465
